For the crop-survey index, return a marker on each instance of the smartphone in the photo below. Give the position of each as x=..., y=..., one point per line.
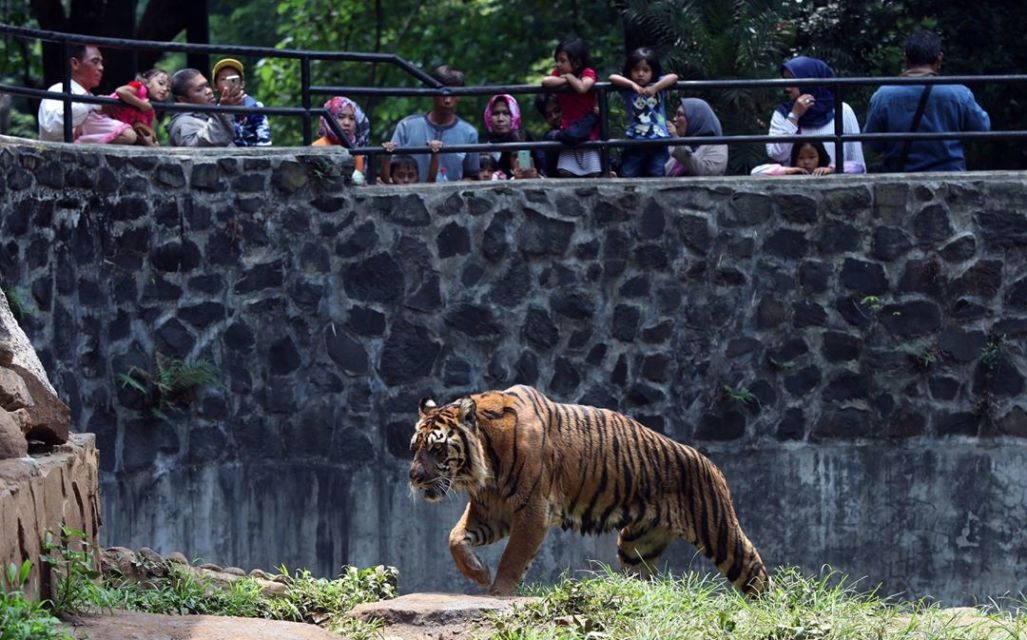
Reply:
x=233, y=82
x=524, y=159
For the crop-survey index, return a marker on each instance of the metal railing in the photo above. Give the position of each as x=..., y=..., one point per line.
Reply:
x=603, y=89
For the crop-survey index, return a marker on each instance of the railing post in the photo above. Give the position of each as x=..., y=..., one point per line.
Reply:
x=69, y=127
x=839, y=129
x=604, y=132
x=305, y=80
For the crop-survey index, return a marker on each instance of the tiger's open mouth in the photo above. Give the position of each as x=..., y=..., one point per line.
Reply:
x=433, y=490
x=432, y=493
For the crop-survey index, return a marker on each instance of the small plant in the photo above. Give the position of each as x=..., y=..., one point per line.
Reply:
x=923, y=356
x=171, y=384
x=18, y=302
x=20, y=618
x=992, y=352
x=70, y=556
x=871, y=303
x=740, y=395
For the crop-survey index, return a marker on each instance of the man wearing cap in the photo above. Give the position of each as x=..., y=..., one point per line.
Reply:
x=251, y=129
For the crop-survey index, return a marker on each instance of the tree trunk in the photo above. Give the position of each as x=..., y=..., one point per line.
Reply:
x=161, y=21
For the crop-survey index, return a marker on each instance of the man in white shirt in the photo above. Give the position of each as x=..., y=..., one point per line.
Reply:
x=86, y=73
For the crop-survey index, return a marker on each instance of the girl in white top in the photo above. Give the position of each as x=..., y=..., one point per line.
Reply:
x=809, y=110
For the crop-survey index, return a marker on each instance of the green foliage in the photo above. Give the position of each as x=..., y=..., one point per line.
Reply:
x=924, y=356
x=871, y=303
x=493, y=42
x=306, y=599
x=723, y=41
x=171, y=383
x=741, y=395
x=70, y=556
x=992, y=352
x=20, y=618
x=796, y=607
x=19, y=303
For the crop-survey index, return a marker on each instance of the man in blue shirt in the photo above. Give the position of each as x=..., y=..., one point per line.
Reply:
x=949, y=107
x=437, y=128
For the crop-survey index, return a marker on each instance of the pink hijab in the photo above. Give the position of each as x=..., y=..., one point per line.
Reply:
x=511, y=104
x=335, y=106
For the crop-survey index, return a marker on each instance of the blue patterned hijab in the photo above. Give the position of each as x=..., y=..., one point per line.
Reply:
x=822, y=110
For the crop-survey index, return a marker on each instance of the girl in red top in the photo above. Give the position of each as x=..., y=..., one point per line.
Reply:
x=137, y=109
x=132, y=121
x=579, y=118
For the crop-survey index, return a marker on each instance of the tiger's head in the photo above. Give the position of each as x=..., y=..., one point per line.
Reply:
x=447, y=450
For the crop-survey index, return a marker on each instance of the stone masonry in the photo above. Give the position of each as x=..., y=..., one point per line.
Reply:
x=804, y=325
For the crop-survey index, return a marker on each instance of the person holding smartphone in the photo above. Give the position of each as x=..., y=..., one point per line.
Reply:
x=503, y=124
x=251, y=129
x=200, y=128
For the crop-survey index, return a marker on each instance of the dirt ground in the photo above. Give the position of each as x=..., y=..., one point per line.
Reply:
x=420, y=616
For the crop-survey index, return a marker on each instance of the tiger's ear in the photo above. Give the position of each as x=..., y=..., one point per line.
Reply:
x=426, y=403
x=467, y=409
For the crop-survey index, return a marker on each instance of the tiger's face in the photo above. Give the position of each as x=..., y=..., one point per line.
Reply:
x=442, y=448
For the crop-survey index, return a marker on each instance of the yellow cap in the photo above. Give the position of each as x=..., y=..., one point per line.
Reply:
x=226, y=62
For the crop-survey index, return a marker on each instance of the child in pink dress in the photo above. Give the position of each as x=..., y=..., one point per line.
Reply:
x=132, y=121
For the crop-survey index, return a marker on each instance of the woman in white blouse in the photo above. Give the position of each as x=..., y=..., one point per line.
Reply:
x=809, y=110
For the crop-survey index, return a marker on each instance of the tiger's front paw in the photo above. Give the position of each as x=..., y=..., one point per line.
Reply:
x=468, y=563
x=477, y=572
x=503, y=589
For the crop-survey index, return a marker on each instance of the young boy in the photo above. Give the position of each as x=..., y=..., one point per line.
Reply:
x=251, y=129
x=440, y=126
x=403, y=169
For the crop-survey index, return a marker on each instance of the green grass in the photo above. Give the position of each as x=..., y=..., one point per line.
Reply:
x=609, y=606
x=307, y=599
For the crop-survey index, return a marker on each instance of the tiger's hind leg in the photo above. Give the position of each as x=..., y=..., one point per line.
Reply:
x=639, y=548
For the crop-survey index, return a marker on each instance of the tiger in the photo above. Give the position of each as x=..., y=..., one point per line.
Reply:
x=529, y=463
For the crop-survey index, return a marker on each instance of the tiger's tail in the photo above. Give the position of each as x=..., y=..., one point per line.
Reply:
x=719, y=535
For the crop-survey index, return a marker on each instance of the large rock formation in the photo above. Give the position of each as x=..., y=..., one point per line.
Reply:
x=59, y=484
x=29, y=406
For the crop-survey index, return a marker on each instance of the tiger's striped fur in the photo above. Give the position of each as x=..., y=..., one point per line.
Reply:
x=528, y=463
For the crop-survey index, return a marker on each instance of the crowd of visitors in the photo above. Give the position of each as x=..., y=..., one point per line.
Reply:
x=570, y=110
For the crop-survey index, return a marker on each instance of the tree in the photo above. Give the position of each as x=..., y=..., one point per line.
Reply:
x=161, y=20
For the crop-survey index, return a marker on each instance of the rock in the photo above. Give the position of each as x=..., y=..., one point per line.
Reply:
x=14, y=394
x=177, y=557
x=12, y=441
x=425, y=609
x=47, y=418
x=121, y=560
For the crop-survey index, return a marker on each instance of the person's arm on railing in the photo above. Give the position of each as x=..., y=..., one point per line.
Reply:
x=624, y=83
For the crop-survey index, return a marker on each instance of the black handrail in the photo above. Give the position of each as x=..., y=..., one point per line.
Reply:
x=434, y=88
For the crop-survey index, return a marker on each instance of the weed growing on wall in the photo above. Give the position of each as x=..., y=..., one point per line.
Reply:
x=171, y=383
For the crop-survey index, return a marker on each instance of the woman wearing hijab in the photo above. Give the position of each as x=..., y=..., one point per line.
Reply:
x=354, y=125
x=503, y=124
x=809, y=110
x=694, y=117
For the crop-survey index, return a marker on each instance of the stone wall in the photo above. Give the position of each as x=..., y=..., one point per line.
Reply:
x=849, y=350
